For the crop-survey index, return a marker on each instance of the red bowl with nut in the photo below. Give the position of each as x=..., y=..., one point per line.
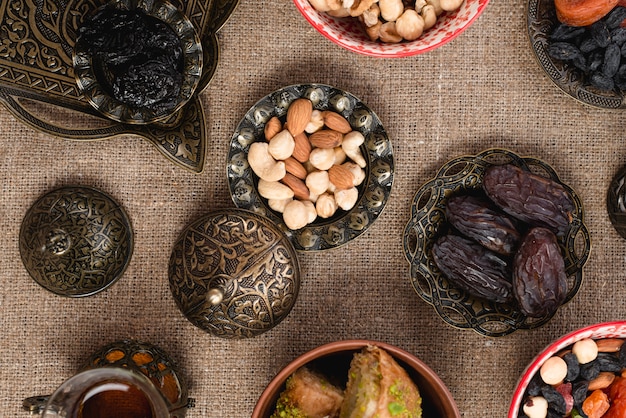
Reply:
x=316, y=161
x=587, y=345
x=333, y=360
x=427, y=28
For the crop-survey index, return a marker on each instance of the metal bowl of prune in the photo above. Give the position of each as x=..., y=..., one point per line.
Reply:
x=496, y=242
x=137, y=62
x=586, y=62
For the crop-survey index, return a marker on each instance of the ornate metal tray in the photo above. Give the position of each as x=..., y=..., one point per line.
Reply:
x=541, y=16
x=428, y=222
x=344, y=226
x=37, y=78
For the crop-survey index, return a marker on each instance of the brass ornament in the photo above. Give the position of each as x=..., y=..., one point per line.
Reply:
x=616, y=202
x=344, y=226
x=428, y=222
x=75, y=241
x=38, y=67
x=234, y=274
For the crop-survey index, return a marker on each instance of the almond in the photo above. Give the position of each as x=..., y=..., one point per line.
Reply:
x=300, y=191
x=326, y=138
x=341, y=177
x=336, y=122
x=302, y=149
x=294, y=167
x=299, y=115
x=603, y=381
x=609, y=345
x=272, y=127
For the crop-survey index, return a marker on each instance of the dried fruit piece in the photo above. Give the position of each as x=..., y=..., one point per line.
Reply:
x=582, y=12
x=478, y=219
x=529, y=197
x=299, y=115
x=596, y=404
x=473, y=268
x=539, y=279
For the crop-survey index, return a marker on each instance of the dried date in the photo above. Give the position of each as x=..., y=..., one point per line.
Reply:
x=478, y=219
x=473, y=268
x=539, y=278
x=529, y=197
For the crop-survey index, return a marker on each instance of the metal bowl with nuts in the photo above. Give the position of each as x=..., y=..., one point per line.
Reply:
x=315, y=160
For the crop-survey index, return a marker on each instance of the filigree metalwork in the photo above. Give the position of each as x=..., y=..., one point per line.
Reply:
x=428, y=222
x=374, y=192
x=234, y=274
x=75, y=241
x=616, y=202
x=151, y=361
x=541, y=20
x=36, y=44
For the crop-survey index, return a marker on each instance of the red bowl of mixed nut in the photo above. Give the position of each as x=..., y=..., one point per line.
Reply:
x=315, y=160
x=388, y=29
x=582, y=374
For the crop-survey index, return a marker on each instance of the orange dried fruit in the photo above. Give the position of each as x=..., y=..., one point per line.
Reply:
x=582, y=12
x=596, y=404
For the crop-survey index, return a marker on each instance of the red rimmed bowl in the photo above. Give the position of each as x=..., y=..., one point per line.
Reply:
x=615, y=329
x=349, y=33
x=333, y=360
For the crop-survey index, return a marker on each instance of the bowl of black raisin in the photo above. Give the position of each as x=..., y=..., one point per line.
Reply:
x=586, y=62
x=496, y=242
x=137, y=61
x=578, y=375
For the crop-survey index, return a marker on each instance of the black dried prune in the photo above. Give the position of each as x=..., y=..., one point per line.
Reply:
x=479, y=219
x=601, y=81
x=608, y=362
x=529, y=197
x=612, y=59
x=601, y=33
x=589, y=371
x=615, y=17
x=539, y=279
x=622, y=355
x=564, y=32
x=473, y=268
x=618, y=36
x=579, y=392
x=555, y=399
x=594, y=62
x=564, y=51
x=573, y=367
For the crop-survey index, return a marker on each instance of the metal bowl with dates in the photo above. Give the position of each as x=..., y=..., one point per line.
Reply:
x=428, y=222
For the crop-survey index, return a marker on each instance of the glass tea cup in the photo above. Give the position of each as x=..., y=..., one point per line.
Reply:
x=125, y=379
x=106, y=392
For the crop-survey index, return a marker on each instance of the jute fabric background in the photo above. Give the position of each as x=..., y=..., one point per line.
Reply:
x=482, y=90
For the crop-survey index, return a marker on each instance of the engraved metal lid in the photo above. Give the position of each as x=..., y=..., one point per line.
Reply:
x=75, y=241
x=234, y=273
x=616, y=202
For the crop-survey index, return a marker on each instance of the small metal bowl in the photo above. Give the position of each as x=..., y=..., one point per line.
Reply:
x=374, y=192
x=333, y=360
x=76, y=241
x=428, y=222
x=541, y=21
x=92, y=87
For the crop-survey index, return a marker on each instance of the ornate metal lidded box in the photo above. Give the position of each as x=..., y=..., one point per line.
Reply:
x=37, y=39
x=76, y=241
x=234, y=273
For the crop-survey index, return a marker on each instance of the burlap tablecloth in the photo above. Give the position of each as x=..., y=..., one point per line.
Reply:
x=482, y=90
